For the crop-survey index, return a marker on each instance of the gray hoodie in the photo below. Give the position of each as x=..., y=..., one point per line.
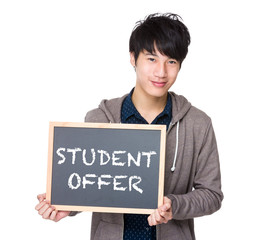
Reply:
x=192, y=171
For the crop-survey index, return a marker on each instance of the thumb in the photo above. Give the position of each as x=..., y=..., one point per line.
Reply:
x=41, y=197
x=167, y=204
x=61, y=214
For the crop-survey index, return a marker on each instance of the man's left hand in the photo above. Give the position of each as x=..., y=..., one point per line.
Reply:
x=162, y=214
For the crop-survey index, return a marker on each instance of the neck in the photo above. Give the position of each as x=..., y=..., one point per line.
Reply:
x=148, y=106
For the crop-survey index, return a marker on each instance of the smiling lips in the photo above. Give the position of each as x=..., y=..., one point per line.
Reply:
x=159, y=84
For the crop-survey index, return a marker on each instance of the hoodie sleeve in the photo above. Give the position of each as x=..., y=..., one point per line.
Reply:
x=207, y=195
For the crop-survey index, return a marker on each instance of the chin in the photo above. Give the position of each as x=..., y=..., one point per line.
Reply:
x=158, y=93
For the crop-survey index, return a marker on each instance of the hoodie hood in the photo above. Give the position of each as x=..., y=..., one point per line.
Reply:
x=180, y=106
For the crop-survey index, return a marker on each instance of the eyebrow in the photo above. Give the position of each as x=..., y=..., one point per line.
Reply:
x=153, y=54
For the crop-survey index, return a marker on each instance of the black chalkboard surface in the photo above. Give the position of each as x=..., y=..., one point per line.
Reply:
x=104, y=167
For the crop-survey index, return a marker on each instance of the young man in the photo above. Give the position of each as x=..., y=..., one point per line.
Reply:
x=158, y=46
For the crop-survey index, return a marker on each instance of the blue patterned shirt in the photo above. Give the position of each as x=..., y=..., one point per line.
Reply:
x=136, y=226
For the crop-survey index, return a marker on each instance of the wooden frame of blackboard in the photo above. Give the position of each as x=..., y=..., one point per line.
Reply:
x=161, y=128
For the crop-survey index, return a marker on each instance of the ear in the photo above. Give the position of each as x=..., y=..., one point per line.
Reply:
x=132, y=59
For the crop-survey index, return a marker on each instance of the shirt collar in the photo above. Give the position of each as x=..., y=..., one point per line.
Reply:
x=128, y=108
x=168, y=108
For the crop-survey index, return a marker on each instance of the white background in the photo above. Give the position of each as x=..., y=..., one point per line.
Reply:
x=58, y=59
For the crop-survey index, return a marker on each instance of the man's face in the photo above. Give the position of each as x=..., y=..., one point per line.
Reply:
x=155, y=72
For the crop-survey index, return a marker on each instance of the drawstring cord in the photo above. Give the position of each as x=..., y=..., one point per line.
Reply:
x=176, y=149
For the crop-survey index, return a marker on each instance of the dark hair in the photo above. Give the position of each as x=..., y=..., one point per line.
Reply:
x=165, y=31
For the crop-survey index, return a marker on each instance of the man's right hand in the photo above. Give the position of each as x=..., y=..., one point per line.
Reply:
x=47, y=211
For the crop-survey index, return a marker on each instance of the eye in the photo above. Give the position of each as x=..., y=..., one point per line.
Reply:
x=172, y=61
x=151, y=59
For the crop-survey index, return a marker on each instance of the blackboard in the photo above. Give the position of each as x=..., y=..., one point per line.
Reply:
x=104, y=167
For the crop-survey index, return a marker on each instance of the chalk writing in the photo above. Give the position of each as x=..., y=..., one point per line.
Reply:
x=105, y=157
x=117, y=158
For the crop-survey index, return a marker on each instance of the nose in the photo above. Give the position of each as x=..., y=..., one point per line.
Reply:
x=160, y=70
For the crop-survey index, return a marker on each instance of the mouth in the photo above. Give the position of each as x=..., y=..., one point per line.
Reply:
x=159, y=84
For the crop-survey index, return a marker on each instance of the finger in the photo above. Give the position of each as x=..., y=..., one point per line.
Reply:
x=43, y=209
x=166, y=216
x=40, y=205
x=53, y=215
x=165, y=207
x=157, y=216
x=168, y=202
x=41, y=197
x=61, y=214
x=154, y=220
x=163, y=214
x=47, y=213
x=149, y=219
x=164, y=211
